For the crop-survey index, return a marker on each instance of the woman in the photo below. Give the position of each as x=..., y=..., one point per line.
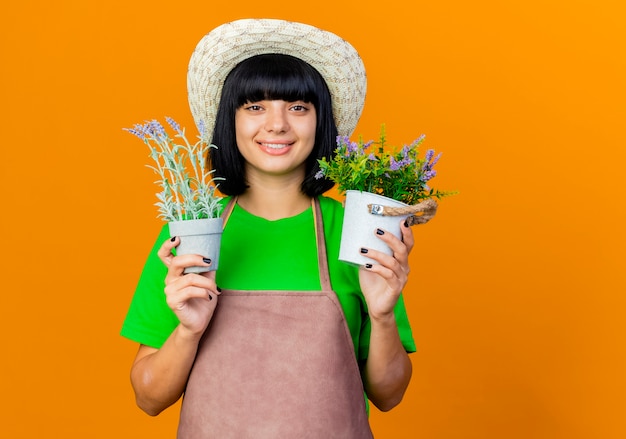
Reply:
x=291, y=338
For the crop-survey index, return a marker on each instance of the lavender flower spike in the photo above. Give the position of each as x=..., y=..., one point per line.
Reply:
x=429, y=156
x=353, y=147
x=435, y=160
x=136, y=132
x=394, y=165
x=201, y=128
x=156, y=130
x=428, y=175
x=174, y=125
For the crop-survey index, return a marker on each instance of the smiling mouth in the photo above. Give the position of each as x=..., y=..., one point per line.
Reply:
x=275, y=145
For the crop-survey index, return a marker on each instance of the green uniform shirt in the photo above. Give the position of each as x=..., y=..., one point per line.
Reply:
x=258, y=254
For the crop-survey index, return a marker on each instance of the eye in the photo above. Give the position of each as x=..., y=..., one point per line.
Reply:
x=299, y=107
x=253, y=107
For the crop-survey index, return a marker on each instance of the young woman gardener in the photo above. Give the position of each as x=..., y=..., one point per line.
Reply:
x=291, y=339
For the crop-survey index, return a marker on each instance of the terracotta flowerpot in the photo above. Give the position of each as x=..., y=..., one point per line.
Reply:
x=359, y=226
x=199, y=237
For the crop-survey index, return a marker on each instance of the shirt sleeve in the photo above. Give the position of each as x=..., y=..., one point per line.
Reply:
x=404, y=327
x=149, y=320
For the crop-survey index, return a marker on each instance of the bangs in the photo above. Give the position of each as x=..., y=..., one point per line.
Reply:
x=276, y=77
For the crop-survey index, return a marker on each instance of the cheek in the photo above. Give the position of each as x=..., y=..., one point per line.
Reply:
x=313, y=126
x=310, y=126
x=243, y=128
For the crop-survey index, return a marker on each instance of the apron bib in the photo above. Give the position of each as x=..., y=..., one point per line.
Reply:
x=276, y=364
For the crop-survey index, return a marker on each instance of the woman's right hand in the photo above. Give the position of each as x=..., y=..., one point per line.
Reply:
x=193, y=296
x=159, y=376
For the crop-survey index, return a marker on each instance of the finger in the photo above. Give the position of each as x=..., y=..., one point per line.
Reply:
x=197, y=280
x=177, y=264
x=388, y=266
x=398, y=247
x=392, y=278
x=191, y=285
x=177, y=293
x=407, y=236
x=165, y=252
x=211, y=275
x=177, y=299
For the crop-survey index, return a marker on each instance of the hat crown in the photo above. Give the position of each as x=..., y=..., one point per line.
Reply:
x=219, y=51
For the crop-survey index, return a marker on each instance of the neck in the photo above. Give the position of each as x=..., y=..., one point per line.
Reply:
x=274, y=199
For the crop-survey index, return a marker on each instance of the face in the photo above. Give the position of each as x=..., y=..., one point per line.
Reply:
x=275, y=137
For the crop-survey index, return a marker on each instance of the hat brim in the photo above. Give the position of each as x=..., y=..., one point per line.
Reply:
x=224, y=47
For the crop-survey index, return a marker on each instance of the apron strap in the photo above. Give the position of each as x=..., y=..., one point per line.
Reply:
x=228, y=210
x=320, y=240
x=322, y=258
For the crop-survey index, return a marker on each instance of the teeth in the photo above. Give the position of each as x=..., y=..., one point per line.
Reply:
x=274, y=145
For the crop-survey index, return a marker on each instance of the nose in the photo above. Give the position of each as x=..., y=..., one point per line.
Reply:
x=276, y=119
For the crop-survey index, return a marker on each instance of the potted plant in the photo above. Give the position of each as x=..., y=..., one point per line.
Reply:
x=382, y=186
x=188, y=199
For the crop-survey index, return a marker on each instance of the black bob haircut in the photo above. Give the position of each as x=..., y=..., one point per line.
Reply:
x=271, y=77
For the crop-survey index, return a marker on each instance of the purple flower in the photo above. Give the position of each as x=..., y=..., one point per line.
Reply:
x=136, y=132
x=405, y=150
x=427, y=175
x=201, y=128
x=427, y=171
x=155, y=130
x=434, y=162
x=342, y=140
x=319, y=174
x=353, y=147
x=394, y=165
x=174, y=125
x=429, y=155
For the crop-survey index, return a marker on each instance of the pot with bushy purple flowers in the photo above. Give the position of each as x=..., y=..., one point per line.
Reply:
x=188, y=200
x=383, y=186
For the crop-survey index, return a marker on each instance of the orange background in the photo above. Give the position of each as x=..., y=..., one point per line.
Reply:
x=517, y=297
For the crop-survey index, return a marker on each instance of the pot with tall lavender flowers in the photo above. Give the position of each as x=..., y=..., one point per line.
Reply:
x=383, y=187
x=188, y=200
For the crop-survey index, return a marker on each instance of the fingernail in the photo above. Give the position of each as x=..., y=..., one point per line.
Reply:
x=379, y=232
x=219, y=290
x=206, y=260
x=406, y=223
x=363, y=250
x=173, y=239
x=368, y=265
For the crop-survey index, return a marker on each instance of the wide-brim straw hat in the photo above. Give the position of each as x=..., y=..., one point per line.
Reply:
x=219, y=51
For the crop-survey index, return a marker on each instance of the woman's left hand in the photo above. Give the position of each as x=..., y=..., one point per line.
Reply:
x=382, y=283
x=387, y=371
